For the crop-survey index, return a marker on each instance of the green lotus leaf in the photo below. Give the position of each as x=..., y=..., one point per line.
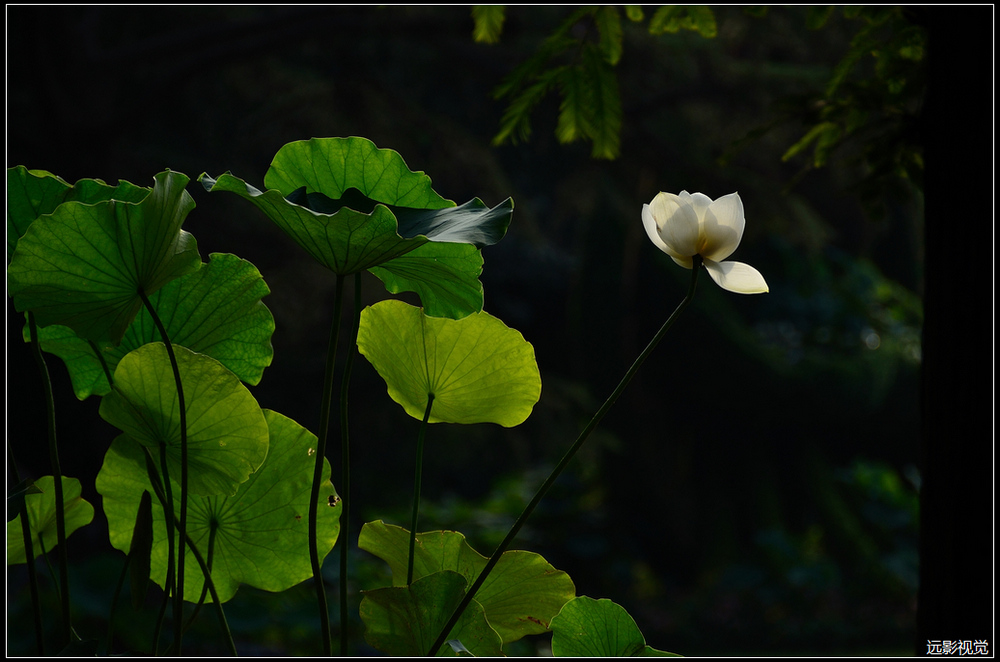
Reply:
x=444, y=276
x=520, y=596
x=404, y=621
x=331, y=166
x=31, y=193
x=478, y=369
x=438, y=266
x=227, y=434
x=84, y=265
x=586, y=627
x=261, y=533
x=216, y=310
x=472, y=223
x=42, y=518
x=345, y=241
x=353, y=206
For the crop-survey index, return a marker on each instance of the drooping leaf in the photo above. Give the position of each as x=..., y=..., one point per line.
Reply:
x=609, y=24
x=216, y=310
x=606, y=108
x=586, y=627
x=84, y=265
x=471, y=223
x=478, y=369
x=487, y=23
x=261, y=532
x=404, y=621
x=575, y=108
x=42, y=517
x=227, y=435
x=520, y=596
x=444, y=276
x=353, y=206
x=345, y=241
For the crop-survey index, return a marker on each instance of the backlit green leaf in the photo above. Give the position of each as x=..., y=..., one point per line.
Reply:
x=478, y=369
x=586, y=627
x=42, y=517
x=84, y=265
x=353, y=206
x=216, y=310
x=404, y=621
x=520, y=597
x=227, y=435
x=331, y=166
x=261, y=532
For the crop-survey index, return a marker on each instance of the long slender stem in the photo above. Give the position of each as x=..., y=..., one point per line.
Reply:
x=540, y=494
x=182, y=526
x=50, y=415
x=324, y=427
x=163, y=496
x=345, y=468
x=29, y=557
x=418, y=472
x=223, y=623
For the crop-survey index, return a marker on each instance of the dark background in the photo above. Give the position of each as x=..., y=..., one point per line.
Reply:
x=755, y=490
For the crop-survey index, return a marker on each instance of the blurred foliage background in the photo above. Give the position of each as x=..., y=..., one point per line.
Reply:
x=755, y=490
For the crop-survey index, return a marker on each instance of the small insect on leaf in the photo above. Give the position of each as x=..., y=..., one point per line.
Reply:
x=333, y=500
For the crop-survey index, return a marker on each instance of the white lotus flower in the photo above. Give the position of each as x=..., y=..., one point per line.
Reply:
x=686, y=225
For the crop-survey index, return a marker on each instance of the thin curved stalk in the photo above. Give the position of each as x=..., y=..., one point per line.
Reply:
x=540, y=494
x=29, y=557
x=170, y=521
x=109, y=639
x=104, y=364
x=324, y=426
x=158, y=489
x=345, y=468
x=418, y=472
x=182, y=525
x=223, y=623
x=50, y=417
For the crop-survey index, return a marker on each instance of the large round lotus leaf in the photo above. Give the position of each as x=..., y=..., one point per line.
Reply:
x=41, y=507
x=353, y=206
x=520, y=596
x=216, y=310
x=586, y=627
x=261, y=532
x=31, y=193
x=226, y=431
x=332, y=165
x=84, y=265
x=404, y=621
x=478, y=369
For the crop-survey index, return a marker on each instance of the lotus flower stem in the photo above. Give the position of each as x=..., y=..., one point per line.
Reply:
x=540, y=494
